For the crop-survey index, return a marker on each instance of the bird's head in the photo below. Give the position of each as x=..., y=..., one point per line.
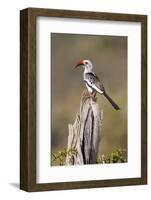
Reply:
x=86, y=64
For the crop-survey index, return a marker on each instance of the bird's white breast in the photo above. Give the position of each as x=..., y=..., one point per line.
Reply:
x=90, y=90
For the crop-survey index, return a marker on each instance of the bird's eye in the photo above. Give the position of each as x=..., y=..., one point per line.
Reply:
x=86, y=62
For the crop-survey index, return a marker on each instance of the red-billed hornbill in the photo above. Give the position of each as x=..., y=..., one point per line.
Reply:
x=92, y=82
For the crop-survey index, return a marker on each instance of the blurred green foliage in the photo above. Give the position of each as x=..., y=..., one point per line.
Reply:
x=60, y=157
x=117, y=156
x=109, y=57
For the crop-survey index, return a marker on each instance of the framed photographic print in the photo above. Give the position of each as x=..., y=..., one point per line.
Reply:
x=83, y=99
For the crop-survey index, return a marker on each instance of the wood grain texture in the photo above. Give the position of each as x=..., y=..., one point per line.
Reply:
x=28, y=98
x=24, y=100
x=144, y=100
x=84, y=134
x=87, y=15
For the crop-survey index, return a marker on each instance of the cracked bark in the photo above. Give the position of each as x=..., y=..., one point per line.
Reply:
x=84, y=134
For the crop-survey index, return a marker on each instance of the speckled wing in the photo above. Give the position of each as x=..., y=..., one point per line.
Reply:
x=93, y=82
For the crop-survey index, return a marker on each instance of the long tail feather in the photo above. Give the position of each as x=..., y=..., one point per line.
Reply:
x=116, y=107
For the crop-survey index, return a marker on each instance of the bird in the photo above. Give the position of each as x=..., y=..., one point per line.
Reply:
x=93, y=82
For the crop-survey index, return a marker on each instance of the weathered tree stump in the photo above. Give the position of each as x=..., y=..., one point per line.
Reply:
x=84, y=134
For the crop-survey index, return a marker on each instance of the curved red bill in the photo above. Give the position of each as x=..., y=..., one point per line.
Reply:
x=79, y=63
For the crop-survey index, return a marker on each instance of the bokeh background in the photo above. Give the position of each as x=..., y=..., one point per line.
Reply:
x=109, y=57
